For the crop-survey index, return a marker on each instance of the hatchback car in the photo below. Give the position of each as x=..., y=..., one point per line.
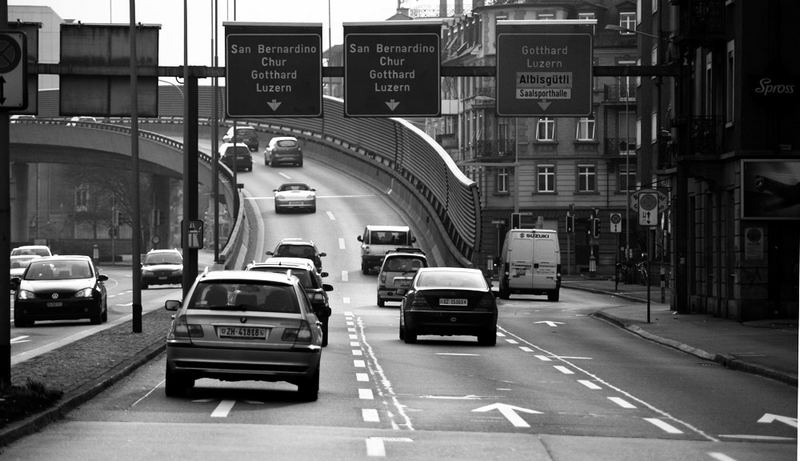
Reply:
x=240, y=326
x=60, y=288
x=298, y=248
x=238, y=153
x=397, y=270
x=283, y=150
x=295, y=196
x=244, y=134
x=162, y=267
x=310, y=280
x=40, y=250
x=449, y=301
x=19, y=263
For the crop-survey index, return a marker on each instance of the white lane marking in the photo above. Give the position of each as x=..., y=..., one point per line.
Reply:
x=589, y=384
x=720, y=456
x=148, y=393
x=20, y=339
x=385, y=390
x=341, y=243
x=359, y=364
x=348, y=314
x=223, y=409
x=346, y=300
x=769, y=438
x=622, y=402
x=666, y=427
x=355, y=344
x=365, y=394
x=511, y=341
x=450, y=397
x=350, y=323
x=573, y=358
x=344, y=276
x=285, y=175
x=376, y=446
x=353, y=336
x=362, y=377
x=525, y=349
x=616, y=389
x=564, y=369
x=370, y=415
x=358, y=352
x=351, y=330
x=330, y=216
x=544, y=358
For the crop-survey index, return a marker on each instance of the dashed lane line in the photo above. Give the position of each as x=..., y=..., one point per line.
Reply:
x=223, y=409
x=664, y=426
x=622, y=402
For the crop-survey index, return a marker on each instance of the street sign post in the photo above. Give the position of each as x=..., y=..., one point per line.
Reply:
x=13, y=70
x=616, y=222
x=273, y=70
x=392, y=69
x=544, y=68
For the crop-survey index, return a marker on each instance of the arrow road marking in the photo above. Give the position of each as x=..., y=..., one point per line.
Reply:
x=392, y=104
x=551, y=323
x=274, y=104
x=770, y=418
x=509, y=412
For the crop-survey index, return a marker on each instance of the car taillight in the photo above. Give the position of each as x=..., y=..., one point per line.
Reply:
x=298, y=335
x=182, y=330
x=419, y=302
x=486, y=302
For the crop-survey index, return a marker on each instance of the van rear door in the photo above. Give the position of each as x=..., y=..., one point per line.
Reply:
x=520, y=260
x=545, y=261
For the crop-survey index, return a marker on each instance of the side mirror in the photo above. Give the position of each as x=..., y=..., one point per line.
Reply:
x=327, y=287
x=323, y=254
x=360, y=238
x=270, y=253
x=14, y=283
x=172, y=304
x=102, y=277
x=323, y=274
x=413, y=239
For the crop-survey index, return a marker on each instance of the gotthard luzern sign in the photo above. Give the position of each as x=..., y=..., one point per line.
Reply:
x=273, y=70
x=392, y=69
x=544, y=68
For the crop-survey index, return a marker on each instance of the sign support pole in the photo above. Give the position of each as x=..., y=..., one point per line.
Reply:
x=5, y=236
x=136, y=235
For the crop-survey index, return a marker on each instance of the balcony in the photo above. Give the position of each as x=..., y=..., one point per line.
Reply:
x=494, y=149
x=619, y=94
x=618, y=146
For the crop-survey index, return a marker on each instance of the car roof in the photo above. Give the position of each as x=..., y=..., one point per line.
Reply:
x=65, y=258
x=230, y=144
x=295, y=241
x=31, y=246
x=374, y=227
x=285, y=261
x=222, y=276
x=283, y=138
x=294, y=184
x=164, y=250
x=450, y=269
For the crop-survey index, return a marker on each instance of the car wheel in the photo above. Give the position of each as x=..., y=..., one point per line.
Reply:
x=22, y=322
x=552, y=296
x=505, y=293
x=97, y=319
x=364, y=269
x=104, y=315
x=176, y=385
x=325, y=333
x=488, y=339
x=309, y=388
x=381, y=302
x=410, y=337
x=401, y=332
x=277, y=210
x=314, y=209
x=300, y=163
x=144, y=286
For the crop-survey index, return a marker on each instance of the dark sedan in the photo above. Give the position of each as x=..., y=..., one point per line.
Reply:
x=449, y=301
x=62, y=287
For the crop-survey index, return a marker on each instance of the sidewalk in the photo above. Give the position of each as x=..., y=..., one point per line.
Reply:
x=765, y=347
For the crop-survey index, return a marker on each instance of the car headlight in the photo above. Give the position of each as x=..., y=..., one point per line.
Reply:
x=25, y=294
x=84, y=293
x=147, y=272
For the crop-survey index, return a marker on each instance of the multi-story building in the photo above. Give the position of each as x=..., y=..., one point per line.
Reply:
x=545, y=167
x=729, y=155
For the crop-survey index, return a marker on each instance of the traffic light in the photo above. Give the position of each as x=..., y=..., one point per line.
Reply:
x=570, y=223
x=596, y=228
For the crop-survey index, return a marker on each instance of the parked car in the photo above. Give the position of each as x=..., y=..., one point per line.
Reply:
x=310, y=280
x=60, y=288
x=283, y=150
x=245, y=134
x=449, y=301
x=244, y=325
x=40, y=250
x=293, y=247
x=162, y=267
x=240, y=153
x=397, y=271
x=19, y=263
x=295, y=196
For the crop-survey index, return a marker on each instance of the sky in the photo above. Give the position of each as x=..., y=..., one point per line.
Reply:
x=170, y=15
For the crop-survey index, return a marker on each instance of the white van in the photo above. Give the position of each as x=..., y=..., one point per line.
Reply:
x=530, y=263
x=377, y=240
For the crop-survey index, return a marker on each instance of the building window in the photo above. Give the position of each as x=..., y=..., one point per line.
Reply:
x=546, y=178
x=653, y=127
x=627, y=19
x=502, y=180
x=709, y=85
x=545, y=129
x=584, y=130
x=587, y=178
x=654, y=55
x=730, y=94
x=627, y=178
x=638, y=133
x=654, y=5
x=82, y=198
x=586, y=16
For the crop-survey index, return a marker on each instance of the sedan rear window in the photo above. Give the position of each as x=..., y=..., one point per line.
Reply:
x=254, y=297
x=458, y=279
x=302, y=275
x=58, y=270
x=165, y=258
x=286, y=143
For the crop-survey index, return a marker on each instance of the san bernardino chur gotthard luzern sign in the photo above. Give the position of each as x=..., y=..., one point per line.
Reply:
x=273, y=70
x=544, y=68
x=392, y=69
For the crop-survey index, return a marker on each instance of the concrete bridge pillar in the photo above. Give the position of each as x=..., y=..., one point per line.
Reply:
x=160, y=222
x=20, y=196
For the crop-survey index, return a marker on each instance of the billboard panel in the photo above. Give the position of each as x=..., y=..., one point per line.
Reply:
x=770, y=189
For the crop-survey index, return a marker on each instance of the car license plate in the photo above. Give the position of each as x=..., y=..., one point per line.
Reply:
x=163, y=277
x=55, y=304
x=453, y=302
x=242, y=332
